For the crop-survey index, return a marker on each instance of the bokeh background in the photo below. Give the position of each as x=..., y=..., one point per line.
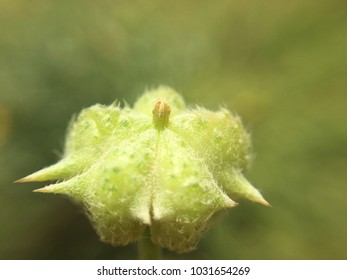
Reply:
x=282, y=65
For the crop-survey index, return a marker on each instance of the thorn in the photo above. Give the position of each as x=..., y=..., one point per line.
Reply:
x=234, y=204
x=264, y=202
x=25, y=179
x=47, y=189
x=42, y=190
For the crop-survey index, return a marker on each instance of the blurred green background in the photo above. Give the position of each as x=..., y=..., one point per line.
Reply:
x=282, y=65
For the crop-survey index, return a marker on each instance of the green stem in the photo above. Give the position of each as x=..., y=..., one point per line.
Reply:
x=147, y=250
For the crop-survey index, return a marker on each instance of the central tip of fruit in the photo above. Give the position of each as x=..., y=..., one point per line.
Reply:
x=161, y=114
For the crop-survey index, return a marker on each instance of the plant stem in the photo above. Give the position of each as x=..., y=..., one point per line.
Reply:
x=147, y=250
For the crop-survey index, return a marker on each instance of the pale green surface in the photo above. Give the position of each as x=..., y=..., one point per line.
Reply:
x=131, y=170
x=280, y=65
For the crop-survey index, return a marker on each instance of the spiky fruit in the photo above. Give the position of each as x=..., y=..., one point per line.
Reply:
x=158, y=165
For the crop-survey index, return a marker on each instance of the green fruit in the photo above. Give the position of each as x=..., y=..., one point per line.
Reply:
x=159, y=164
